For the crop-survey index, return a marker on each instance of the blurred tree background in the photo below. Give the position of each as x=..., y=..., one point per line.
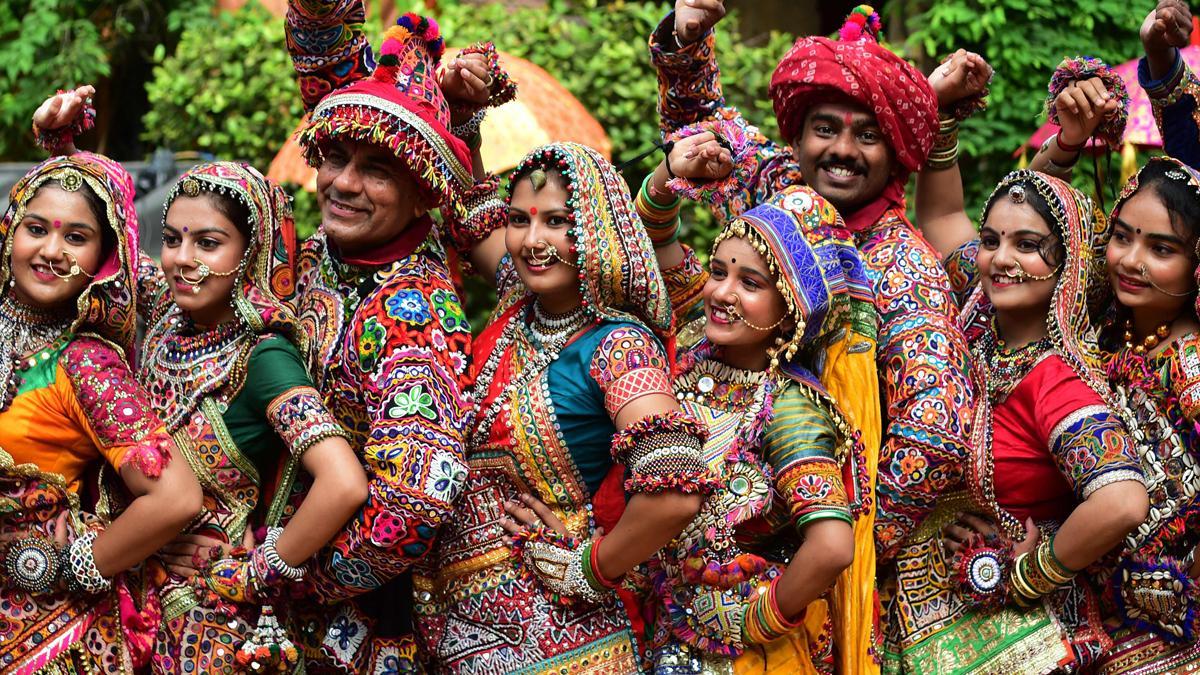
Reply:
x=185, y=76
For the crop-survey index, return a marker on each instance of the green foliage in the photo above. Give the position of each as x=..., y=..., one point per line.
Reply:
x=229, y=89
x=46, y=45
x=1024, y=40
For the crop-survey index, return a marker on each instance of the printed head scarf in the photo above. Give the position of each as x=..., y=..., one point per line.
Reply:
x=857, y=68
x=266, y=276
x=106, y=306
x=619, y=275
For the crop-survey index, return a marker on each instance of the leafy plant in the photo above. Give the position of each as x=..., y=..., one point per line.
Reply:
x=228, y=89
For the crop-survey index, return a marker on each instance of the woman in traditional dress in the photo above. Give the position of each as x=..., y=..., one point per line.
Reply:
x=1154, y=368
x=575, y=410
x=69, y=402
x=750, y=583
x=223, y=363
x=1053, y=483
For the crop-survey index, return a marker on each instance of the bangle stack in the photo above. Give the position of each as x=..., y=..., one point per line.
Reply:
x=944, y=154
x=82, y=563
x=762, y=621
x=1038, y=573
x=267, y=563
x=588, y=555
x=1075, y=148
x=661, y=220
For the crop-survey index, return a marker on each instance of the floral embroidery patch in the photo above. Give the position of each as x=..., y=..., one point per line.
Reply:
x=414, y=401
x=449, y=312
x=370, y=344
x=409, y=305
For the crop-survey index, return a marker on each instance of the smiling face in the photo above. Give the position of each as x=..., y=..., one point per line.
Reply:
x=538, y=220
x=1144, y=240
x=59, y=229
x=197, y=232
x=739, y=278
x=1014, y=245
x=843, y=155
x=366, y=195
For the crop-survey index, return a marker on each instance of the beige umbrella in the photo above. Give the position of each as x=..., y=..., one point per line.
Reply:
x=543, y=112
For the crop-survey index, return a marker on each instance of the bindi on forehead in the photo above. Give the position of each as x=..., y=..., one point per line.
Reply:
x=57, y=224
x=848, y=118
x=185, y=228
x=533, y=210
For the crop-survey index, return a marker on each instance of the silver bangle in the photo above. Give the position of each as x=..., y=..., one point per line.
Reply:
x=470, y=128
x=271, y=557
x=82, y=563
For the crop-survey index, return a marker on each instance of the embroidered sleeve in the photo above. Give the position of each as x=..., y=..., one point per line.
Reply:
x=689, y=79
x=760, y=168
x=685, y=283
x=962, y=269
x=664, y=452
x=923, y=362
x=413, y=341
x=122, y=424
x=485, y=211
x=800, y=448
x=628, y=364
x=1184, y=374
x=1092, y=450
x=327, y=44
x=1175, y=100
x=301, y=420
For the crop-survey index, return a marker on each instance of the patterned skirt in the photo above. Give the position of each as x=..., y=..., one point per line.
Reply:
x=1138, y=652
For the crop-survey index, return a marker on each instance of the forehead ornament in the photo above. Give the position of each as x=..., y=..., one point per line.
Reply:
x=1017, y=194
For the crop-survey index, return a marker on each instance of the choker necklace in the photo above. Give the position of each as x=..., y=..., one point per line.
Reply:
x=1150, y=341
x=29, y=330
x=551, y=328
x=1005, y=368
x=188, y=365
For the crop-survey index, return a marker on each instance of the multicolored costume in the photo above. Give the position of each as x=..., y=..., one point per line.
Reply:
x=787, y=454
x=238, y=400
x=923, y=363
x=549, y=390
x=1045, y=437
x=1154, y=599
x=391, y=340
x=1175, y=99
x=68, y=398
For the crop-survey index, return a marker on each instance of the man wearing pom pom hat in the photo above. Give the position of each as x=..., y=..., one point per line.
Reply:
x=860, y=120
x=389, y=337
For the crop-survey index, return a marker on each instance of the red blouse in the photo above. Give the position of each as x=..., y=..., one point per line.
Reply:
x=1031, y=477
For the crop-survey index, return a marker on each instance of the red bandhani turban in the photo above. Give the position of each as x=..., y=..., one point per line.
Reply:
x=855, y=67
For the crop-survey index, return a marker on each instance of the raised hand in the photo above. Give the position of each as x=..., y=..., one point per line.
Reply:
x=1169, y=25
x=466, y=82
x=1082, y=107
x=963, y=75
x=62, y=110
x=693, y=18
x=1166, y=28
x=700, y=157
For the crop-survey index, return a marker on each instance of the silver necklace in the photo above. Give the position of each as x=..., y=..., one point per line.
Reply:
x=29, y=330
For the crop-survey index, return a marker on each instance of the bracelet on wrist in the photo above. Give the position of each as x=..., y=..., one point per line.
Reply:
x=1068, y=147
x=82, y=564
x=470, y=128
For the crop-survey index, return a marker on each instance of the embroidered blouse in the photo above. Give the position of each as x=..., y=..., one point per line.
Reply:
x=77, y=403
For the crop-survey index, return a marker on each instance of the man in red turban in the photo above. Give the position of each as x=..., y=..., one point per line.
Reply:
x=860, y=120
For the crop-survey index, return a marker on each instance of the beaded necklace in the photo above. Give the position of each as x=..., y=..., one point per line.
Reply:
x=712, y=382
x=28, y=330
x=526, y=333
x=188, y=365
x=1006, y=369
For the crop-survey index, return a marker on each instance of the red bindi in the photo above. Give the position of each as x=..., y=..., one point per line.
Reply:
x=533, y=210
x=57, y=224
x=848, y=119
